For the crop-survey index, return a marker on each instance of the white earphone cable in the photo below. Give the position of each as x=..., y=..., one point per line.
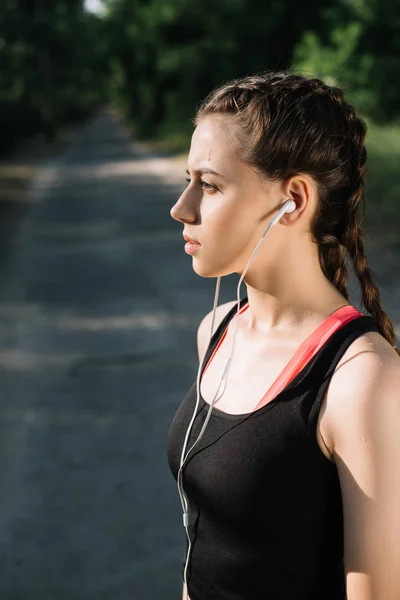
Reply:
x=288, y=207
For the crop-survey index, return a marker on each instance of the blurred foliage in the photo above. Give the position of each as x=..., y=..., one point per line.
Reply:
x=173, y=53
x=359, y=49
x=334, y=63
x=167, y=55
x=53, y=59
x=156, y=59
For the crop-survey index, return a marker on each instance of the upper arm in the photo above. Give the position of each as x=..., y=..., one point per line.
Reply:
x=203, y=332
x=365, y=429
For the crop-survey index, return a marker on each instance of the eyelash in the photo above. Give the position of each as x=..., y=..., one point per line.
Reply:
x=208, y=186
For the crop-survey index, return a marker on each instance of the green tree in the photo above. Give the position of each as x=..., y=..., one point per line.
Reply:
x=52, y=66
x=168, y=55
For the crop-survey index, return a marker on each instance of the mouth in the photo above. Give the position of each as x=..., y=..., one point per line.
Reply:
x=192, y=248
x=190, y=240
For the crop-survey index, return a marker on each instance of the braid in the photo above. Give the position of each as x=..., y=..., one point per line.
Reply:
x=333, y=260
x=332, y=248
x=371, y=297
x=353, y=235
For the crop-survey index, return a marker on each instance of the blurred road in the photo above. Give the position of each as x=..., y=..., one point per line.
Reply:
x=98, y=312
x=99, y=306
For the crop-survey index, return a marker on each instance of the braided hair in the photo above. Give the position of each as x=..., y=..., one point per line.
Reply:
x=284, y=124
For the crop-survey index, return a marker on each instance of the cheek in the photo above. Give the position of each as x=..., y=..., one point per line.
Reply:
x=223, y=214
x=227, y=230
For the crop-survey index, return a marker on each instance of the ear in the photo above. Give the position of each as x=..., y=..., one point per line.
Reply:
x=303, y=190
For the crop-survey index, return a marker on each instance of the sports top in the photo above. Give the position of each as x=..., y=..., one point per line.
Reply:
x=265, y=507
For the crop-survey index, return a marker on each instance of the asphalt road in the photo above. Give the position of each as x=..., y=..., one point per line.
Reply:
x=98, y=312
x=99, y=306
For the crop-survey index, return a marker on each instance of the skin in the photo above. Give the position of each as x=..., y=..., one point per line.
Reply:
x=289, y=296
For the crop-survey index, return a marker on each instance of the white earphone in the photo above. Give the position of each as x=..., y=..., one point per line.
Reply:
x=288, y=207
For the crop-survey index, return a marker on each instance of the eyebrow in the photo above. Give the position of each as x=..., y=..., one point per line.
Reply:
x=202, y=171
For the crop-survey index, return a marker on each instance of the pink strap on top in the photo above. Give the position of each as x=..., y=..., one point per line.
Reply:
x=306, y=350
x=221, y=339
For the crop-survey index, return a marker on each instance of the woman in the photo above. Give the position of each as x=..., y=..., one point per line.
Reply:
x=297, y=495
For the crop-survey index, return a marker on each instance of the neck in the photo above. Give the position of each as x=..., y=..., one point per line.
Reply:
x=290, y=296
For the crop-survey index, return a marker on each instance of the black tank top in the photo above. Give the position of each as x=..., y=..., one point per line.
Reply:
x=265, y=506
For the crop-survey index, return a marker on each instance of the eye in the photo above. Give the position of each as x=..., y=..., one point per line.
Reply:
x=206, y=186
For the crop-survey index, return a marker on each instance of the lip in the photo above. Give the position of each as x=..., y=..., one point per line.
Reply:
x=190, y=240
x=191, y=248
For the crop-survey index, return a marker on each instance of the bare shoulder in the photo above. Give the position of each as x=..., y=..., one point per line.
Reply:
x=367, y=371
x=369, y=357
x=203, y=332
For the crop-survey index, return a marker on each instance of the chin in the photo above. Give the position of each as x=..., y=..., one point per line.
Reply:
x=203, y=269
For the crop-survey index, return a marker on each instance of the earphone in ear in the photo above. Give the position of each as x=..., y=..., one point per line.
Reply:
x=288, y=207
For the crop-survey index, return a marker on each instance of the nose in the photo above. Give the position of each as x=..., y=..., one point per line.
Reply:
x=184, y=210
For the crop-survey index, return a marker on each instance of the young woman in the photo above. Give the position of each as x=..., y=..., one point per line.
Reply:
x=292, y=490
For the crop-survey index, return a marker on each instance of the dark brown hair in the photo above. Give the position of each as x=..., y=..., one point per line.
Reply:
x=284, y=124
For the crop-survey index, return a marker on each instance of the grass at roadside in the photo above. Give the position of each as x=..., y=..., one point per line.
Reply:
x=383, y=181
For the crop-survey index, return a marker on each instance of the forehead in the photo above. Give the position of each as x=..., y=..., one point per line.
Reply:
x=212, y=146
